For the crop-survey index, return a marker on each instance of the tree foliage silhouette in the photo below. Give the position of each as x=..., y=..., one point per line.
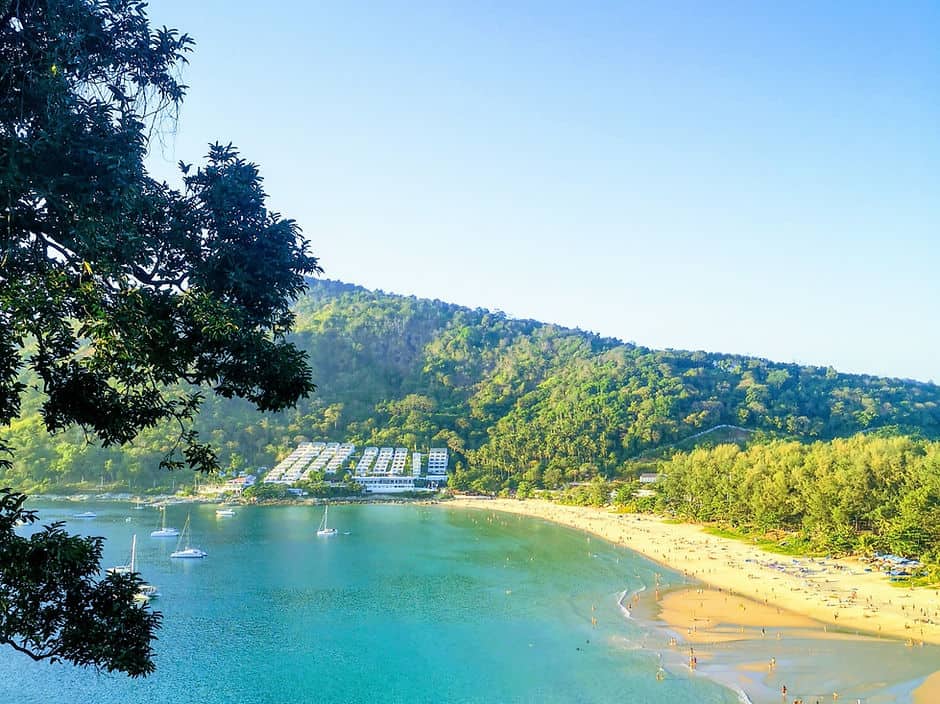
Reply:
x=115, y=287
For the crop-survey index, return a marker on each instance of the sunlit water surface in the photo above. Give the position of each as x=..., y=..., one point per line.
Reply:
x=408, y=603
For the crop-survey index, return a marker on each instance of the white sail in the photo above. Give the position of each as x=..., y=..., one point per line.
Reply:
x=324, y=529
x=187, y=551
x=163, y=531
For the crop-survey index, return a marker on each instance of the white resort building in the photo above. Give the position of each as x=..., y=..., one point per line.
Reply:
x=398, y=460
x=437, y=460
x=382, y=462
x=380, y=470
x=364, y=466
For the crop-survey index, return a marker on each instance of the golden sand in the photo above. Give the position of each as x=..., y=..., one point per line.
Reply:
x=712, y=616
x=837, y=592
x=929, y=691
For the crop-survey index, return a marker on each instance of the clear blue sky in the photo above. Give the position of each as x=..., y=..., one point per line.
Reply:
x=751, y=177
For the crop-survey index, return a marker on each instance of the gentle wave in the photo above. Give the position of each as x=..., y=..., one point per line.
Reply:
x=627, y=596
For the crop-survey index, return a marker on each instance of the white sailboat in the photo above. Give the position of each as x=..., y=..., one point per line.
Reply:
x=145, y=592
x=128, y=568
x=324, y=529
x=164, y=532
x=186, y=552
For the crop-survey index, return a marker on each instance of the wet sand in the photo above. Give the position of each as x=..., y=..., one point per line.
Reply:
x=929, y=691
x=712, y=616
x=838, y=592
x=757, y=649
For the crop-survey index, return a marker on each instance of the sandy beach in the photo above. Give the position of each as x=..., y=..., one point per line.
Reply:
x=929, y=691
x=752, y=589
x=834, y=591
x=712, y=616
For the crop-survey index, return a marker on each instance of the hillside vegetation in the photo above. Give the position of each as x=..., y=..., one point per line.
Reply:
x=517, y=401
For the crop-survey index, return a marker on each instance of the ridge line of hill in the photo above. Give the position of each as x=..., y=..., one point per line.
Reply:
x=516, y=401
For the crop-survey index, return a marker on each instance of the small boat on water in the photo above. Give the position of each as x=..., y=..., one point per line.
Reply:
x=86, y=514
x=224, y=512
x=325, y=530
x=163, y=531
x=129, y=567
x=145, y=592
x=186, y=552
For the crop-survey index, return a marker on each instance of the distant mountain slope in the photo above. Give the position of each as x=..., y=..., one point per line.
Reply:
x=512, y=398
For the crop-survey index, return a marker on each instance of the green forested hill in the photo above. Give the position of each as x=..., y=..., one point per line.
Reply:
x=514, y=399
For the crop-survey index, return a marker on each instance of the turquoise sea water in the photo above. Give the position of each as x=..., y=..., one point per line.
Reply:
x=415, y=604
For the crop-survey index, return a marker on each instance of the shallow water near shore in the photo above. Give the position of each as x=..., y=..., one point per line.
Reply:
x=811, y=659
x=418, y=604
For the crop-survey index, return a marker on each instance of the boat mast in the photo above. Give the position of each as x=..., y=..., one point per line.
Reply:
x=183, y=535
